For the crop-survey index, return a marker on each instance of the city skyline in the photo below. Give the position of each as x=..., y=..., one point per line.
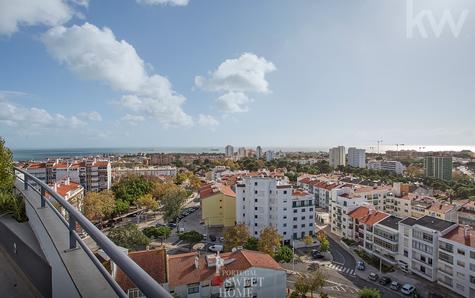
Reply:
x=187, y=72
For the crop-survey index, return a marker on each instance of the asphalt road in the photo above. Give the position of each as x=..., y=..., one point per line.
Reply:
x=340, y=255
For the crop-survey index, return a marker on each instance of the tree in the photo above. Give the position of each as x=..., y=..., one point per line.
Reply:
x=131, y=188
x=7, y=177
x=147, y=201
x=157, y=232
x=324, y=243
x=252, y=243
x=369, y=293
x=308, y=240
x=121, y=206
x=128, y=236
x=195, y=182
x=302, y=286
x=236, y=235
x=316, y=281
x=285, y=254
x=98, y=205
x=171, y=199
x=192, y=237
x=269, y=240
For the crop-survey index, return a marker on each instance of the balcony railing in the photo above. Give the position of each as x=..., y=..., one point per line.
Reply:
x=135, y=273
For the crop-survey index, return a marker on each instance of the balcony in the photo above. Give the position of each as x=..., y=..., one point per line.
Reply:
x=74, y=270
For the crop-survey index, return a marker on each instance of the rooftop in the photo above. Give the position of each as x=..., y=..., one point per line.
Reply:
x=391, y=222
x=434, y=223
x=458, y=235
x=373, y=218
x=410, y=221
x=359, y=212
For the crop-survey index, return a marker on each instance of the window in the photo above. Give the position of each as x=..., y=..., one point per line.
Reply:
x=243, y=199
x=285, y=216
x=285, y=192
x=135, y=293
x=302, y=225
x=460, y=274
x=295, y=218
x=255, y=224
x=255, y=192
x=472, y=255
x=310, y=217
x=255, y=200
x=303, y=210
x=472, y=267
x=255, y=216
x=285, y=233
x=193, y=288
x=295, y=226
x=255, y=208
x=460, y=251
x=303, y=217
x=461, y=263
x=285, y=225
x=311, y=209
x=244, y=215
x=295, y=210
x=255, y=183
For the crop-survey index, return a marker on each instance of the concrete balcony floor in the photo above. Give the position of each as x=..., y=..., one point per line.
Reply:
x=13, y=283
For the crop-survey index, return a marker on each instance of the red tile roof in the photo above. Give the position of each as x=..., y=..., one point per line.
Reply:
x=209, y=189
x=299, y=193
x=152, y=261
x=359, y=212
x=373, y=218
x=441, y=207
x=458, y=235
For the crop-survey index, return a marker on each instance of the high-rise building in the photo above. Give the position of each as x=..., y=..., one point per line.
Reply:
x=337, y=156
x=241, y=152
x=356, y=157
x=439, y=167
x=387, y=165
x=229, y=150
x=270, y=155
x=258, y=152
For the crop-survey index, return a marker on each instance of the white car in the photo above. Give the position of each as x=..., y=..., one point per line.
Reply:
x=216, y=248
x=408, y=289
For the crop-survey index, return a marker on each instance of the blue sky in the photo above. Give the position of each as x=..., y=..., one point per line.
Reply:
x=212, y=72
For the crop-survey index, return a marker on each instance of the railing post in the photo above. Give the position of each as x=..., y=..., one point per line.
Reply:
x=43, y=203
x=72, y=228
x=25, y=180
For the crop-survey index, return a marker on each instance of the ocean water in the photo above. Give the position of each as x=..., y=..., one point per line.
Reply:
x=41, y=154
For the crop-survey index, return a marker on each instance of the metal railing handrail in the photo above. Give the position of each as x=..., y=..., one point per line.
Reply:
x=146, y=284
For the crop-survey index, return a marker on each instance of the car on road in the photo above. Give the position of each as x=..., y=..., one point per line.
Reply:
x=171, y=225
x=395, y=285
x=360, y=265
x=384, y=280
x=216, y=247
x=316, y=254
x=159, y=225
x=408, y=289
x=212, y=238
x=373, y=276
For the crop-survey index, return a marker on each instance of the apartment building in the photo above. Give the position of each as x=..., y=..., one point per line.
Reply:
x=259, y=153
x=218, y=205
x=92, y=174
x=419, y=244
x=443, y=210
x=164, y=171
x=356, y=157
x=386, y=239
x=439, y=167
x=366, y=228
x=387, y=165
x=337, y=156
x=466, y=214
x=456, y=264
x=263, y=201
x=341, y=205
x=229, y=151
x=242, y=152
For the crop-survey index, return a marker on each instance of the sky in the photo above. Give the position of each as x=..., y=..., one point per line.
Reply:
x=303, y=73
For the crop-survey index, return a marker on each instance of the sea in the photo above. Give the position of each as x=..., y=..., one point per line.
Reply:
x=42, y=154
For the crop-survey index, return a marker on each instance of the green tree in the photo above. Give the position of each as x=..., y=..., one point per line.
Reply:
x=98, y=205
x=252, y=243
x=131, y=188
x=369, y=293
x=316, y=281
x=7, y=177
x=171, y=199
x=237, y=235
x=269, y=240
x=157, y=232
x=192, y=237
x=324, y=243
x=302, y=286
x=128, y=236
x=121, y=206
x=285, y=254
x=308, y=240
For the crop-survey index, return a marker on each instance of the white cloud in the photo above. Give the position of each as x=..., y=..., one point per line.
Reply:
x=133, y=119
x=24, y=118
x=207, y=121
x=91, y=116
x=32, y=12
x=244, y=74
x=233, y=102
x=96, y=54
x=165, y=2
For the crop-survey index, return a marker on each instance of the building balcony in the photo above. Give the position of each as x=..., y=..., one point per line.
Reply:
x=61, y=264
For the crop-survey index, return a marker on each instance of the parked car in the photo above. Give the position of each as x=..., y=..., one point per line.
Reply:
x=408, y=289
x=373, y=276
x=159, y=225
x=171, y=225
x=360, y=265
x=205, y=237
x=216, y=247
x=212, y=238
x=395, y=285
x=221, y=239
x=384, y=280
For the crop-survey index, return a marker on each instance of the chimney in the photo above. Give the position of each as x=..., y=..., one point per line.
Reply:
x=197, y=262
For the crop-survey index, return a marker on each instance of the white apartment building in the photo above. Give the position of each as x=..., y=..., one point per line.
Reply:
x=229, y=151
x=356, y=157
x=267, y=201
x=337, y=156
x=341, y=204
x=390, y=166
x=147, y=172
x=242, y=152
x=456, y=264
x=270, y=155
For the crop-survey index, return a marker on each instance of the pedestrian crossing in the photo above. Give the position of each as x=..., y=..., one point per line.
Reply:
x=341, y=268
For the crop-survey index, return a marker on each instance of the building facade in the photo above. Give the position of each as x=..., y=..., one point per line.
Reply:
x=439, y=167
x=337, y=156
x=388, y=165
x=356, y=157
